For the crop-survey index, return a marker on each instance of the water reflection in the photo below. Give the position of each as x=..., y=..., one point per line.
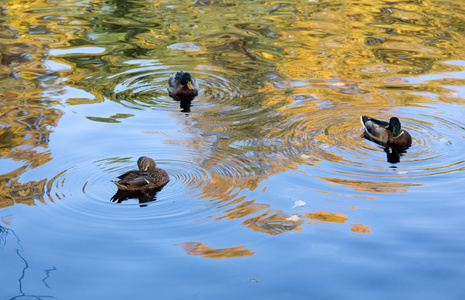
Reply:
x=393, y=154
x=273, y=223
x=142, y=196
x=14, y=192
x=27, y=118
x=7, y=237
x=184, y=102
x=185, y=105
x=197, y=248
x=360, y=228
x=279, y=93
x=84, y=83
x=26, y=130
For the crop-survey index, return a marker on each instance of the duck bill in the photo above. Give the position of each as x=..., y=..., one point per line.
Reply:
x=189, y=85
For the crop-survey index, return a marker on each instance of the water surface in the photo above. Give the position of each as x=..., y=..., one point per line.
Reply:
x=274, y=193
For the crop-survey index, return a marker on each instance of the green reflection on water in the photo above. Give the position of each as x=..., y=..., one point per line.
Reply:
x=283, y=83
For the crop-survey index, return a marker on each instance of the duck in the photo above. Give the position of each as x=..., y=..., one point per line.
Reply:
x=182, y=85
x=148, y=177
x=387, y=133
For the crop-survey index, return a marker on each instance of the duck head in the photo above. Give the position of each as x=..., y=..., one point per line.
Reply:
x=146, y=164
x=185, y=79
x=394, y=126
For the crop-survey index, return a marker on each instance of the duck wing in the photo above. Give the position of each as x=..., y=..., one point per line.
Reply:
x=367, y=121
x=139, y=181
x=129, y=175
x=132, y=182
x=376, y=129
x=172, y=80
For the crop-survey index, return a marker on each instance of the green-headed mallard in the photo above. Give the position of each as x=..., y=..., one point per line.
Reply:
x=386, y=133
x=146, y=178
x=182, y=85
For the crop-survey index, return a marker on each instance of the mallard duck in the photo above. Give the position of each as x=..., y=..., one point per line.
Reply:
x=182, y=85
x=389, y=134
x=146, y=178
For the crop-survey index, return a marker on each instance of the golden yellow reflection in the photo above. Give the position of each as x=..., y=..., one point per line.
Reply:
x=27, y=117
x=323, y=216
x=371, y=186
x=360, y=228
x=310, y=77
x=197, y=248
x=274, y=222
x=26, y=130
x=12, y=192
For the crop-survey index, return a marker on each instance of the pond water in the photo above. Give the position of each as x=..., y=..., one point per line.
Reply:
x=273, y=191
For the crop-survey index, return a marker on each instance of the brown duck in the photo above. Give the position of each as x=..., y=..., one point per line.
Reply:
x=146, y=178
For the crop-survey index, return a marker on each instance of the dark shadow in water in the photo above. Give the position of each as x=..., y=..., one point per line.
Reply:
x=143, y=196
x=393, y=154
x=4, y=233
x=184, y=102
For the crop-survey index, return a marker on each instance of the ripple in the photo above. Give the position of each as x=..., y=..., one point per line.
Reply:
x=146, y=86
x=333, y=143
x=434, y=150
x=217, y=86
x=86, y=190
x=203, y=186
x=438, y=143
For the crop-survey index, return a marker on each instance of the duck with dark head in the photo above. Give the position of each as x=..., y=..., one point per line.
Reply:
x=390, y=135
x=386, y=133
x=182, y=85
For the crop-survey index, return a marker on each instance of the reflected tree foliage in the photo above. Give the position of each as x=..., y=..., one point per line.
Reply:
x=25, y=127
x=27, y=114
x=290, y=80
x=196, y=248
x=24, y=136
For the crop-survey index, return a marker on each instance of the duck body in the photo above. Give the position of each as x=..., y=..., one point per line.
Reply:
x=148, y=177
x=181, y=85
x=386, y=133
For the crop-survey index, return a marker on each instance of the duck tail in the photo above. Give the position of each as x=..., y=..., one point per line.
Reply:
x=119, y=185
x=363, y=120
